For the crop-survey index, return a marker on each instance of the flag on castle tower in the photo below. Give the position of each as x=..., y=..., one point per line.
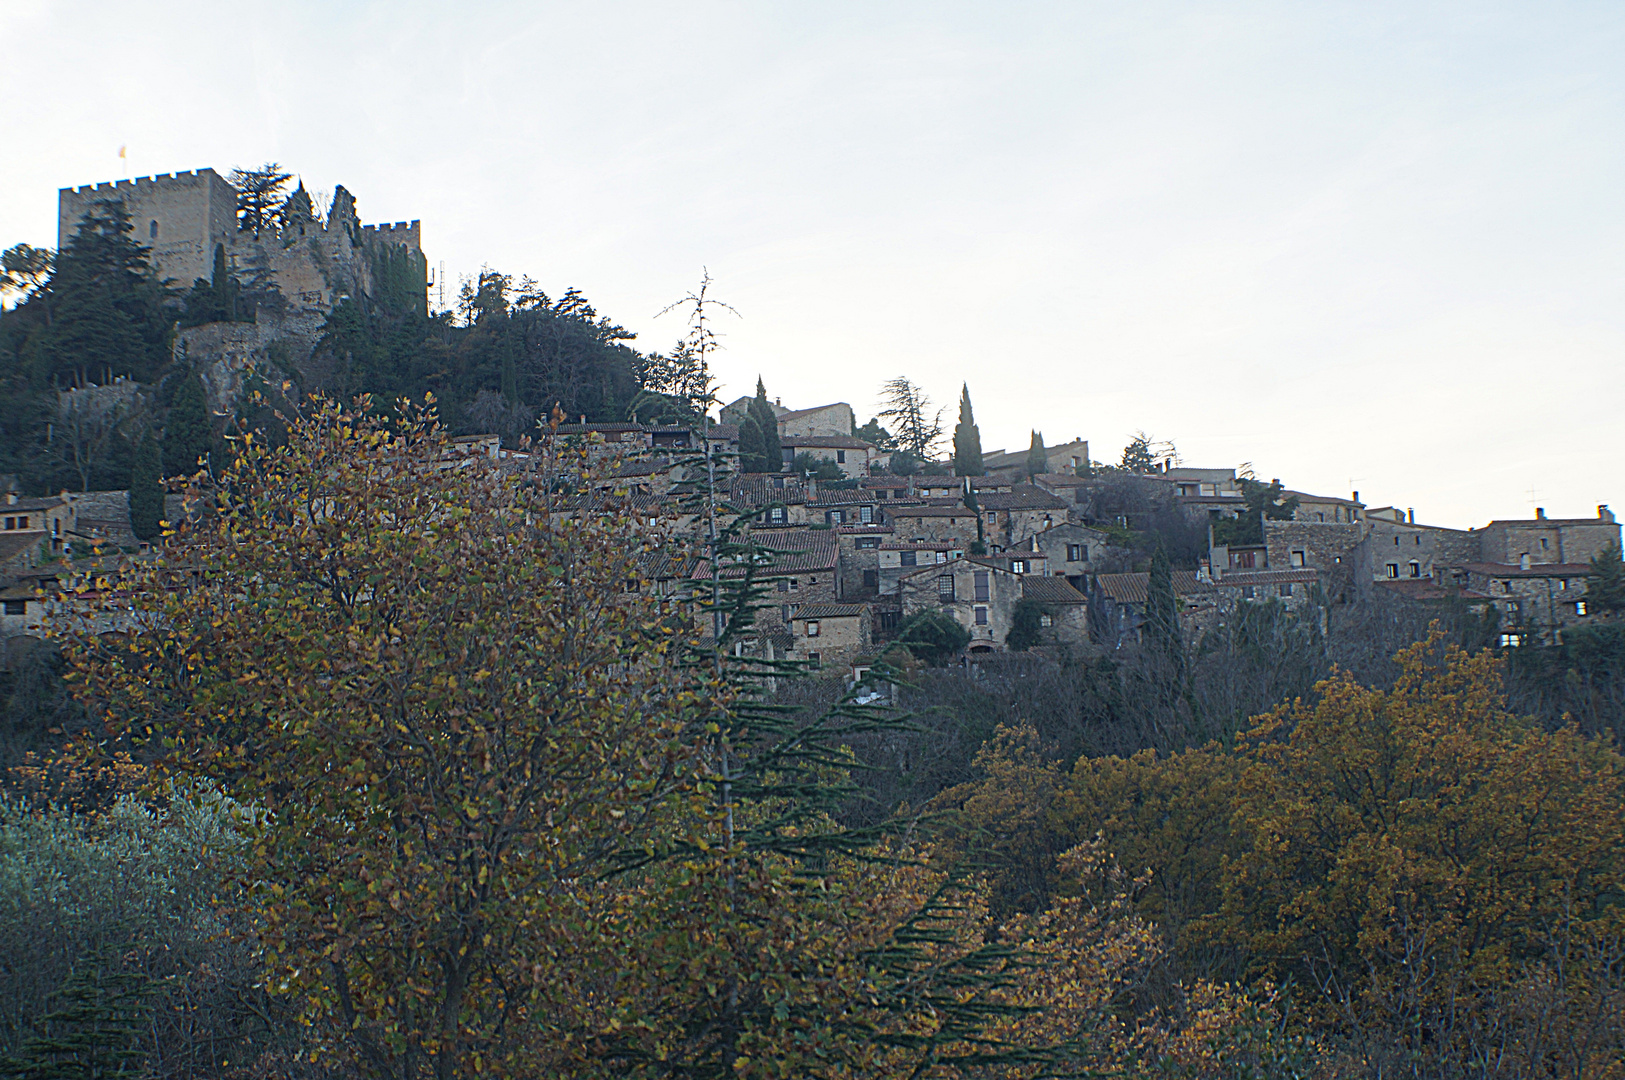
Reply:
x=121, y=152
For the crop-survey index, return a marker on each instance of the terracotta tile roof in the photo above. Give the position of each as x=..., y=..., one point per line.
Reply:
x=1020, y=497
x=1050, y=590
x=792, y=551
x=757, y=489
x=1268, y=577
x=829, y=611
x=1535, y=523
x=1536, y=570
x=13, y=544
x=49, y=502
x=934, y=512
x=666, y=563
x=1134, y=588
x=601, y=429
x=843, y=497
x=876, y=483
x=943, y=546
x=999, y=558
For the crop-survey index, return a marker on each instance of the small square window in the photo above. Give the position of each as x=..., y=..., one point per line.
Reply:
x=1297, y=559
x=981, y=616
x=794, y=584
x=1511, y=641
x=945, y=587
x=1286, y=588
x=784, y=584
x=908, y=558
x=817, y=661
x=1393, y=570
x=1416, y=569
x=1046, y=620
x=1579, y=607
x=840, y=457
x=1074, y=553
x=812, y=627
x=871, y=579
x=20, y=607
x=1018, y=566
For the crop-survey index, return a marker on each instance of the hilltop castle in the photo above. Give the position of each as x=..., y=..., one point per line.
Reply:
x=314, y=263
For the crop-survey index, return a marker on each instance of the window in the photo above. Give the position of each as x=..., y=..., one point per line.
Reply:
x=1544, y=544
x=776, y=515
x=866, y=543
x=890, y=619
x=1579, y=607
x=981, y=583
x=22, y=523
x=20, y=607
x=1247, y=592
x=981, y=616
x=871, y=579
x=11, y=523
x=1511, y=641
x=812, y=627
x=1046, y=620
x=945, y=588
x=1416, y=568
x=816, y=660
x=1393, y=569
x=1298, y=559
x=1074, y=553
x=993, y=518
x=1396, y=541
x=1018, y=566
x=794, y=584
x=784, y=584
x=788, y=611
x=1286, y=588
x=1562, y=584
x=908, y=558
x=833, y=517
x=866, y=514
x=1418, y=539
x=778, y=482
x=840, y=457
x=152, y=230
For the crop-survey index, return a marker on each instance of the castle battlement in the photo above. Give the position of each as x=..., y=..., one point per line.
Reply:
x=123, y=187
x=401, y=232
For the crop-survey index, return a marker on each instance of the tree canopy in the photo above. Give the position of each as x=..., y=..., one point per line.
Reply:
x=967, y=439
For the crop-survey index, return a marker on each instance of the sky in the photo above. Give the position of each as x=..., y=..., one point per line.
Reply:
x=1368, y=246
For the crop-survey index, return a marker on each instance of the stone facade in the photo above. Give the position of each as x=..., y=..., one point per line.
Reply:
x=1548, y=540
x=980, y=594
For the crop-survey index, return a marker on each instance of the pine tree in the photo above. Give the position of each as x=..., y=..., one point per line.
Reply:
x=147, y=490
x=1037, y=459
x=767, y=424
x=1605, y=589
x=91, y=1034
x=188, y=432
x=967, y=439
x=106, y=307
x=259, y=196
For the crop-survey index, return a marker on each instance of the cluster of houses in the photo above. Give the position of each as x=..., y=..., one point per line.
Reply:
x=845, y=564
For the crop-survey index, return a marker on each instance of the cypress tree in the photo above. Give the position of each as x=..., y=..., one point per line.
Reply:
x=188, y=432
x=1162, y=610
x=1605, y=587
x=967, y=439
x=767, y=423
x=750, y=446
x=1037, y=459
x=147, y=489
x=93, y=1031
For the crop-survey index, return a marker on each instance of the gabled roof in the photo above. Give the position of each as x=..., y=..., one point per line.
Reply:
x=13, y=544
x=932, y=512
x=1268, y=577
x=790, y=551
x=829, y=611
x=945, y=545
x=1536, y=570
x=1050, y=590
x=1135, y=588
x=796, y=414
x=1020, y=497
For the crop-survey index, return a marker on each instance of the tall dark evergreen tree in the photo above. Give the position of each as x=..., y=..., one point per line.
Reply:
x=188, y=431
x=967, y=439
x=147, y=489
x=750, y=446
x=1162, y=610
x=1037, y=459
x=93, y=1031
x=1605, y=587
x=767, y=424
x=259, y=196
x=107, y=313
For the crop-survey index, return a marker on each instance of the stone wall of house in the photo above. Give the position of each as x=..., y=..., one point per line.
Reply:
x=1326, y=546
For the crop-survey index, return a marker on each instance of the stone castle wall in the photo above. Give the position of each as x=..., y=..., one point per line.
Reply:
x=180, y=217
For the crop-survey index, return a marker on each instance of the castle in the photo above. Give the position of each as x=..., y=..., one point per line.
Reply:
x=312, y=262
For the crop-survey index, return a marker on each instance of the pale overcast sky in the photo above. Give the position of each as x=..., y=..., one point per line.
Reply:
x=1377, y=246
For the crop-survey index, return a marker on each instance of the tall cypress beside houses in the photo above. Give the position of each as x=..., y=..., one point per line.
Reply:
x=1037, y=457
x=767, y=423
x=188, y=431
x=967, y=439
x=751, y=459
x=1162, y=632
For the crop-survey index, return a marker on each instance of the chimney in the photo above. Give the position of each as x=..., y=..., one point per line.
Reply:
x=1540, y=513
x=1523, y=561
x=1356, y=496
x=1605, y=514
x=11, y=498
x=1410, y=515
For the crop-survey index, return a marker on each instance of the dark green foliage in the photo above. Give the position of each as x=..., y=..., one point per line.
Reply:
x=771, y=454
x=967, y=439
x=23, y=269
x=91, y=1035
x=816, y=467
x=1026, y=628
x=873, y=433
x=147, y=489
x=107, y=316
x=215, y=300
x=1263, y=501
x=750, y=447
x=259, y=196
x=1037, y=459
x=1139, y=456
x=188, y=430
x=933, y=636
x=1605, y=589
x=1161, y=628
